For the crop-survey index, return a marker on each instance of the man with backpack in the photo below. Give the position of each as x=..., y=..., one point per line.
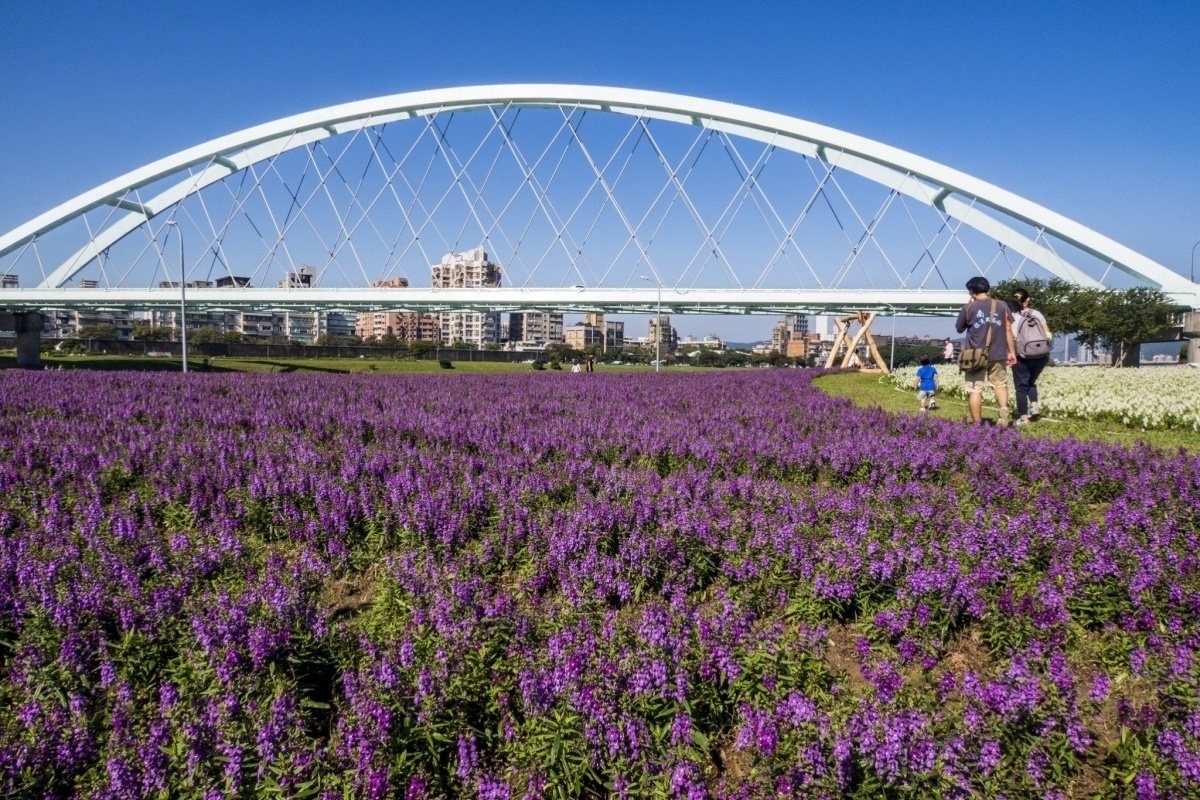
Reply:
x=988, y=348
x=1032, y=337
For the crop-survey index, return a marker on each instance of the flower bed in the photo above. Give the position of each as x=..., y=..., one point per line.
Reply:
x=1153, y=397
x=533, y=585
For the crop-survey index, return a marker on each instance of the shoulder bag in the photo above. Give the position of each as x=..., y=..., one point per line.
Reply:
x=975, y=359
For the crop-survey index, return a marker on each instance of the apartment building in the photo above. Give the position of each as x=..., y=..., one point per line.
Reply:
x=408, y=326
x=662, y=331
x=534, y=327
x=469, y=270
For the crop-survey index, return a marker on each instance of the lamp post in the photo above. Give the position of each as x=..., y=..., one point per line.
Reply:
x=1193, y=272
x=657, y=324
x=182, y=295
x=892, y=357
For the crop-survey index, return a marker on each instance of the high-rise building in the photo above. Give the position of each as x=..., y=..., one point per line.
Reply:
x=662, y=331
x=10, y=282
x=535, y=327
x=614, y=332
x=790, y=329
x=469, y=270
x=824, y=327
x=337, y=323
x=303, y=278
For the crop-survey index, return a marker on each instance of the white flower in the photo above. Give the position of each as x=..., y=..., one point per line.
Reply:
x=1158, y=397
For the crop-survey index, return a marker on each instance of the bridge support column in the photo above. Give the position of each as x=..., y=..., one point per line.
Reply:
x=28, y=327
x=1191, y=332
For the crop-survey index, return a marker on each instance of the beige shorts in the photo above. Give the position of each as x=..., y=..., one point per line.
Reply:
x=994, y=374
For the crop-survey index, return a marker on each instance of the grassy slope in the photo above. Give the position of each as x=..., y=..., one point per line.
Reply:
x=874, y=390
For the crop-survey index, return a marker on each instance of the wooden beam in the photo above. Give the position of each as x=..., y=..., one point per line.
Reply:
x=871, y=344
x=853, y=348
x=837, y=342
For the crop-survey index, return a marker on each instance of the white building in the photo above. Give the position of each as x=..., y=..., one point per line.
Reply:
x=469, y=270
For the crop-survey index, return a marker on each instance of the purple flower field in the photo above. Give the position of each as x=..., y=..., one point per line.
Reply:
x=529, y=585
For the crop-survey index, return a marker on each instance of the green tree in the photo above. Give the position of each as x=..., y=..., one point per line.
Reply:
x=152, y=333
x=1117, y=319
x=102, y=331
x=1060, y=302
x=204, y=336
x=332, y=340
x=417, y=349
x=1132, y=316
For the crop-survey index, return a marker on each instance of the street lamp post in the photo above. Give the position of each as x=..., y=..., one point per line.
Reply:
x=657, y=325
x=892, y=357
x=1193, y=271
x=182, y=295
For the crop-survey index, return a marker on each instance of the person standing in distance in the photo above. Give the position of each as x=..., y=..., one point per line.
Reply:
x=987, y=324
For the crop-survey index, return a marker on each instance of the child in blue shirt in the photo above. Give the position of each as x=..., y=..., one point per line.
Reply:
x=927, y=384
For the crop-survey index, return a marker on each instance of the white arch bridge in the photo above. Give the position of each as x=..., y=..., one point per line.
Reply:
x=588, y=198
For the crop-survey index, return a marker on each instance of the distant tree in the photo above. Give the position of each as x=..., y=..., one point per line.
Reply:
x=559, y=351
x=101, y=331
x=152, y=333
x=234, y=337
x=333, y=340
x=417, y=349
x=1115, y=319
x=390, y=341
x=908, y=355
x=459, y=344
x=204, y=336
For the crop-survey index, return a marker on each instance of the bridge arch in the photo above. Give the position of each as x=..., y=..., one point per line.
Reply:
x=953, y=193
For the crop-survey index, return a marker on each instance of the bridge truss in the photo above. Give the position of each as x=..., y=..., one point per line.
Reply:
x=589, y=199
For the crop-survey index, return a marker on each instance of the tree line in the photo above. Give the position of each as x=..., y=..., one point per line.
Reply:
x=1117, y=320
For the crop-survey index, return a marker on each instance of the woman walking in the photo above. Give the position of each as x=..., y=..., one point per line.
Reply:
x=1032, y=337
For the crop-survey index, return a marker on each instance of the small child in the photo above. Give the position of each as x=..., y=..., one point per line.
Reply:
x=928, y=383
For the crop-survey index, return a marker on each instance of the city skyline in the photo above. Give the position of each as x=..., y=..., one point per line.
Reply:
x=1044, y=110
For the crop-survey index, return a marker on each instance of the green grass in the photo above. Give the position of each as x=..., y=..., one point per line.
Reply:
x=382, y=366
x=876, y=390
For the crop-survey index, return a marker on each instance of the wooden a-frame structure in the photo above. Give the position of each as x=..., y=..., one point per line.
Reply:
x=851, y=344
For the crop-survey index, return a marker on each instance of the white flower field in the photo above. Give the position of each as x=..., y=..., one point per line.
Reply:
x=1154, y=397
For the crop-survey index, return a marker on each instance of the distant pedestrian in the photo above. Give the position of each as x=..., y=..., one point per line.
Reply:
x=948, y=352
x=1032, y=337
x=988, y=348
x=575, y=366
x=928, y=383
x=591, y=362
x=855, y=361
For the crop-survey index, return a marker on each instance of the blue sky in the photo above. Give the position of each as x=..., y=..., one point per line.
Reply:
x=1088, y=108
